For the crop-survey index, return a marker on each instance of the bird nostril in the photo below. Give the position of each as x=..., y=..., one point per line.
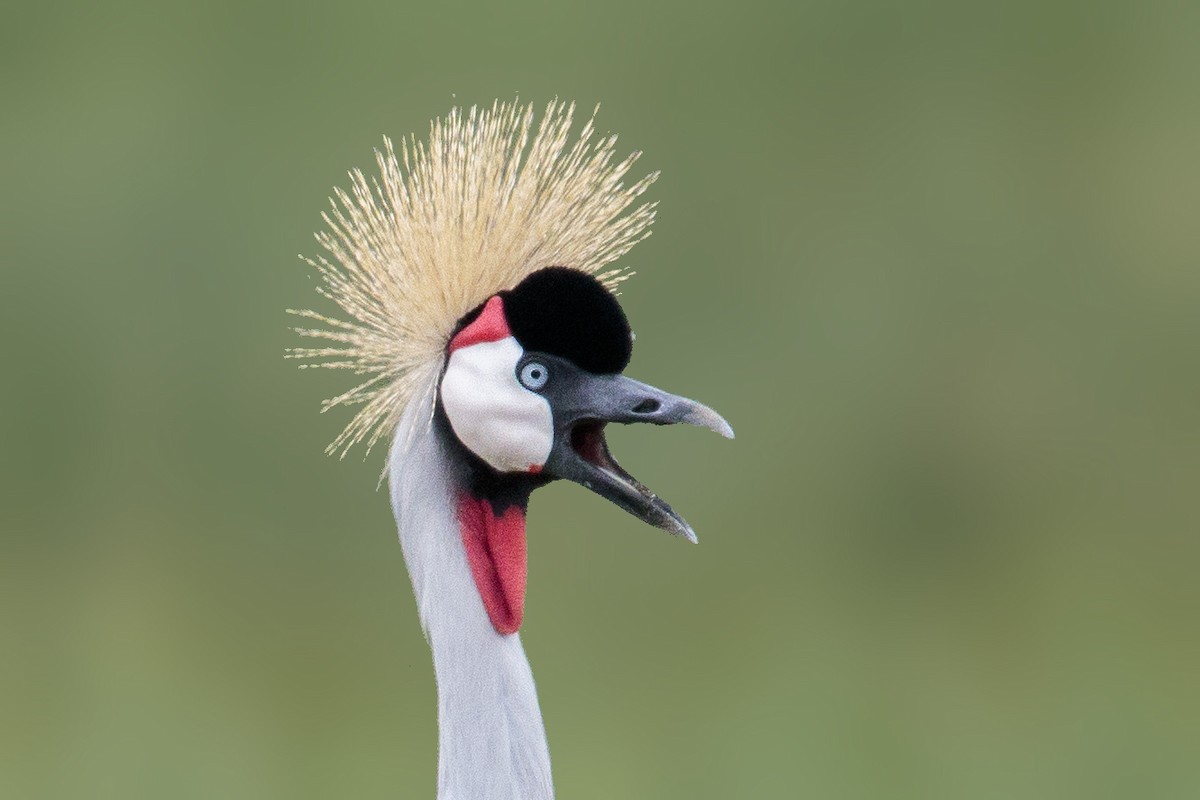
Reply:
x=648, y=406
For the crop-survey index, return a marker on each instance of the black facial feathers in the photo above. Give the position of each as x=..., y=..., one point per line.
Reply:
x=570, y=314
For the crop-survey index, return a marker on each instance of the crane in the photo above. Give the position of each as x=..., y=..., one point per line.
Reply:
x=478, y=309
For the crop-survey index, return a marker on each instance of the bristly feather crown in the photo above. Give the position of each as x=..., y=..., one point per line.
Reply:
x=447, y=224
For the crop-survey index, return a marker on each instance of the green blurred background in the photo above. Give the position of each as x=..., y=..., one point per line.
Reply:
x=937, y=263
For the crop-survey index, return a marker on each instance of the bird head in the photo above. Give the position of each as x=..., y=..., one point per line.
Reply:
x=474, y=278
x=533, y=376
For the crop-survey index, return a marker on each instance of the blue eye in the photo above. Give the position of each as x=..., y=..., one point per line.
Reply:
x=534, y=375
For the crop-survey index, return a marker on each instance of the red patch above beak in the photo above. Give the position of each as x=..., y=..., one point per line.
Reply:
x=490, y=326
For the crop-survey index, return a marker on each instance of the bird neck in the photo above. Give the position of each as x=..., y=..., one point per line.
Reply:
x=491, y=741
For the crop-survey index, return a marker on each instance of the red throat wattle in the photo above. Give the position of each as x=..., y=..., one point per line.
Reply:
x=495, y=547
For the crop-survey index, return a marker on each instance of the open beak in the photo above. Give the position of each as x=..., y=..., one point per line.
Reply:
x=580, y=452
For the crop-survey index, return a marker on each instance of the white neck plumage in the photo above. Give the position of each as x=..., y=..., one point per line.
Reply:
x=491, y=741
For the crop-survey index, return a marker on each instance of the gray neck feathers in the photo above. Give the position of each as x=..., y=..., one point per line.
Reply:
x=491, y=742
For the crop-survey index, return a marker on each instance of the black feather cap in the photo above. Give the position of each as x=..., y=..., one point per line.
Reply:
x=567, y=313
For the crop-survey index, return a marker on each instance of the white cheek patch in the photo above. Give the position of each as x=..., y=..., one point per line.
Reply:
x=498, y=419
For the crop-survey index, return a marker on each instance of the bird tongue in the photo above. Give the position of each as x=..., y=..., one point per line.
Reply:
x=495, y=545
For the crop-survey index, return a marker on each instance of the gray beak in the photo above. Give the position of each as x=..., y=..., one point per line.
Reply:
x=580, y=452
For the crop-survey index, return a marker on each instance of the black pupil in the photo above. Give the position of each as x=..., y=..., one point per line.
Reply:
x=535, y=374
